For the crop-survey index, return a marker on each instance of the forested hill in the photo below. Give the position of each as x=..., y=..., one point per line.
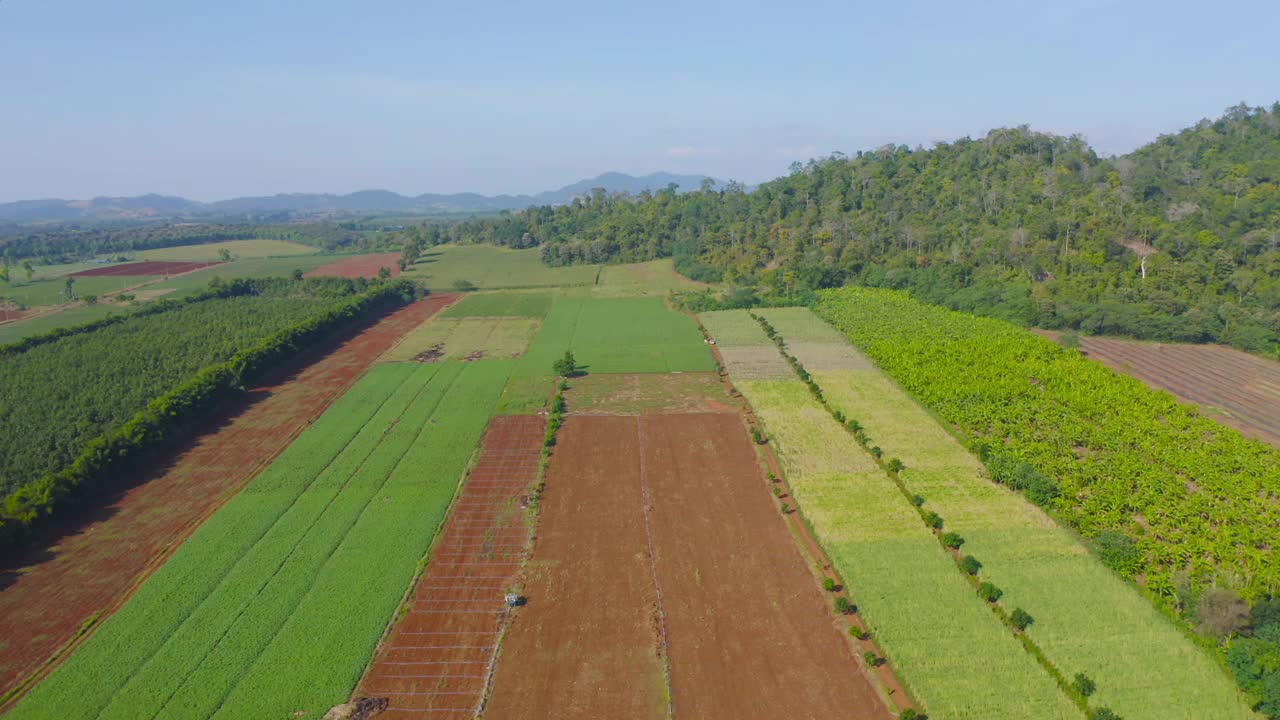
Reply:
x=1175, y=241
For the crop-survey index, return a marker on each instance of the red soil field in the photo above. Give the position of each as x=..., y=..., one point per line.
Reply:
x=365, y=266
x=658, y=539
x=436, y=660
x=10, y=315
x=587, y=644
x=751, y=633
x=1235, y=388
x=90, y=565
x=149, y=267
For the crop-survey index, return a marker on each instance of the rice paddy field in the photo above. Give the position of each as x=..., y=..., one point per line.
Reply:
x=273, y=607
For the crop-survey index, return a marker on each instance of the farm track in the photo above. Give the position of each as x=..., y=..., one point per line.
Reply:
x=51, y=593
x=146, y=267
x=1245, y=387
x=437, y=658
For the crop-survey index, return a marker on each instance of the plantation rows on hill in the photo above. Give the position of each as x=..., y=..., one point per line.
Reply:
x=1172, y=498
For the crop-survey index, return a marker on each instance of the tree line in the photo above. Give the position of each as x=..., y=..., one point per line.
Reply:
x=1179, y=240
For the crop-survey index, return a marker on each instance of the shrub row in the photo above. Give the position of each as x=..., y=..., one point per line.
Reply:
x=172, y=415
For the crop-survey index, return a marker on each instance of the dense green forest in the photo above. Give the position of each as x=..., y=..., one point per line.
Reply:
x=75, y=402
x=1175, y=241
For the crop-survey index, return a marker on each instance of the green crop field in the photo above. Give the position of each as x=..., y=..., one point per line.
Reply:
x=237, y=248
x=617, y=335
x=273, y=607
x=954, y=653
x=492, y=267
x=466, y=337
x=501, y=304
x=13, y=332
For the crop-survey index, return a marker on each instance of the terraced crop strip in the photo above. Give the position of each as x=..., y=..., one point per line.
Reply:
x=929, y=621
x=1143, y=666
x=275, y=604
x=436, y=661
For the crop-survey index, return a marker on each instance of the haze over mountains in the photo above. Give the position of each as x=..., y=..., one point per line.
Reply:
x=159, y=207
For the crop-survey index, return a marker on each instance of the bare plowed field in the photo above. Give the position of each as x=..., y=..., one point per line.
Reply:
x=146, y=268
x=586, y=645
x=751, y=634
x=48, y=593
x=365, y=266
x=1233, y=387
x=436, y=660
x=11, y=315
x=659, y=540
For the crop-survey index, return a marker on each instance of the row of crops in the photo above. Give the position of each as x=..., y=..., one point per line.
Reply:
x=1084, y=619
x=274, y=606
x=1176, y=499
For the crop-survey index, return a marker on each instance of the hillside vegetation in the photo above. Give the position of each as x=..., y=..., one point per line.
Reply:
x=1175, y=241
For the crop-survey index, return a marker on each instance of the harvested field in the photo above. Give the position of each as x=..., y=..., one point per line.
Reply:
x=586, y=645
x=436, y=660
x=365, y=266
x=135, y=269
x=644, y=393
x=751, y=634
x=465, y=339
x=47, y=594
x=525, y=395
x=755, y=362
x=1233, y=387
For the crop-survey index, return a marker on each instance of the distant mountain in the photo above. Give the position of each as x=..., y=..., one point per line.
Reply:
x=148, y=207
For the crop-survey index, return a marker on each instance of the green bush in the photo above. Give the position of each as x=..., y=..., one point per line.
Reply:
x=989, y=592
x=953, y=540
x=970, y=565
x=828, y=584
x=933, y=520
x=1103, y=713
x=842, y=605
x=1083, y=685
x=1021, y=619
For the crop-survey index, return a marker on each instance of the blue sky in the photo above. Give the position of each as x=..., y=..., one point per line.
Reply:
x=217, y=99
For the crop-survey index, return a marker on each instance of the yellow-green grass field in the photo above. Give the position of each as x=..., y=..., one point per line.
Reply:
x=953, y=653
x=493, y=267
x=238, y=248
x=617, y=335
x=657, y=278
x=1142, y=664
x=501, y=304
x=466, y=338
x=52, y=291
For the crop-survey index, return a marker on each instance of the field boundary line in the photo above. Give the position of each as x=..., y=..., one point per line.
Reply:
x=646, y=503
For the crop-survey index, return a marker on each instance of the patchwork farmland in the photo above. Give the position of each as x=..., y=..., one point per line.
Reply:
x=728, y=515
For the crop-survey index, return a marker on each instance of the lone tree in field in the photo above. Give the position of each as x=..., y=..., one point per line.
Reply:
x=566, y=366
x=224, y=255
x=70, y=288
x=1084, y=685
x=384, y=273
x=4, y=273
x=1021, y=619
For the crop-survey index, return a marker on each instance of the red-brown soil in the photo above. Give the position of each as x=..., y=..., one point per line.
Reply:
x=586, y=646
x=90, y=564
x=660, y=548
x=11, y=315
x=436, y=660
x=1233, y=387
x=365, y=266
x=751, y=633
x=149, y=267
